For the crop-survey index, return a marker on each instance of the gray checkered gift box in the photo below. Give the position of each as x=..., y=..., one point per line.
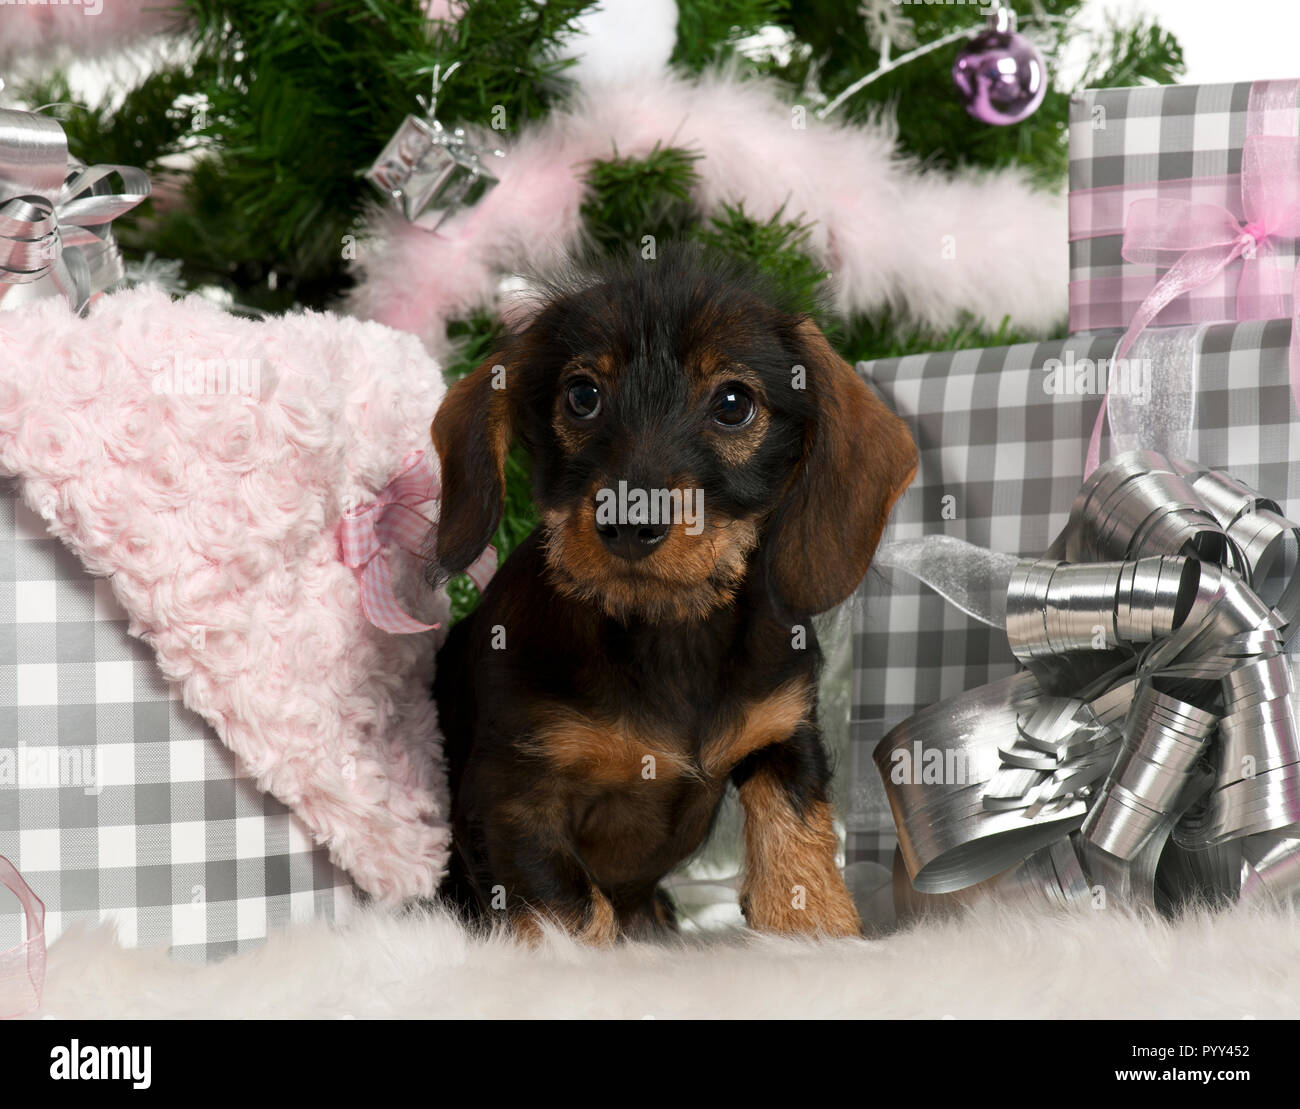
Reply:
x=1179, y=142
x=1001, y=459
x=117, y=802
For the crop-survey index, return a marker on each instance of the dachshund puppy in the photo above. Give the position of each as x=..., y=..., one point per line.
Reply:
x=626, y=664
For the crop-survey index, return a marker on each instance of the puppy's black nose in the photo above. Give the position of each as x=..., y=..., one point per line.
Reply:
x=631, y=541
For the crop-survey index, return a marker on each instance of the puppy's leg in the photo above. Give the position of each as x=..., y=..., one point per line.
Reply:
x=593, y=922
x=535, y=877
x=791, y=882
x=646, y=914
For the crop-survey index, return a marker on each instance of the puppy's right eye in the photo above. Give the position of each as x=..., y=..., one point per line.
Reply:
x=582, y=398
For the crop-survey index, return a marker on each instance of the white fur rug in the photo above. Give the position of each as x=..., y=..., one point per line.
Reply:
x=994, y=963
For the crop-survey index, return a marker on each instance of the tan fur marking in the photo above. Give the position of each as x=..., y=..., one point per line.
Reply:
x=788, y=858
x=771, y=720
x=686, y=578
x=603, y=752
x=527, y=927
x=711, y=372
x=568, y=436
x=735, y=448
x=713, y=368
x=601, y=926
x=598, y=929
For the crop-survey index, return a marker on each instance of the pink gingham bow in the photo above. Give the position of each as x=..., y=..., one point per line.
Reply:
x=1199, y=240
x=22, y=968
x=394, y=521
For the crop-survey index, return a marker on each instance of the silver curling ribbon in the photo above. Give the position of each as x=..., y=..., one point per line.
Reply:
x=936, y=765
x=1156, y=729
x=1270, y=868
x=1269, y=543
x=1257, y=760
x=1164, y=739
x=1050, y=877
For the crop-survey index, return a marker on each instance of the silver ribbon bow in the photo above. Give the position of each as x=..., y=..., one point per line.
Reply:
x=56, y=213
x=1150, y=749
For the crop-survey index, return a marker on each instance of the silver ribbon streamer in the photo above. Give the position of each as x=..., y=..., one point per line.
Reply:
x=1151, y=744
x=56, y=213
x=970, y=577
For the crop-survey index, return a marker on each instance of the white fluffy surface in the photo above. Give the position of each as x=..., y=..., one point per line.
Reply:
x=994, y=963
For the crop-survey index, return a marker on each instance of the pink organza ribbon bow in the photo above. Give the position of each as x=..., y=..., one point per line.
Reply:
x=22, y=968
x=395, y=521
x=1198, y=241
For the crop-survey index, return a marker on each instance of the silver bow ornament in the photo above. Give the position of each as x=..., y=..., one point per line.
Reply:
x=1150, y=749
x=56, y=213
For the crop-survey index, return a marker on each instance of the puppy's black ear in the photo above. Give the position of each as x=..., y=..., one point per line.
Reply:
x=857, y=458
x=471, y=431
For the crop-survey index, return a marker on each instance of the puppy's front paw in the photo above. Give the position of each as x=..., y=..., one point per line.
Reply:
x=822, y=907
x=792, y=884
x=595, y=926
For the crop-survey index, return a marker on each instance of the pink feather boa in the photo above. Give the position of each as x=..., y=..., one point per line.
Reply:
x=929, y=246
x=214, y=521
x=86, y=27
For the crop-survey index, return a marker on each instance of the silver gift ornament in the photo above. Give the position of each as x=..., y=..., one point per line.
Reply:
x=1152, y=742
x=426, y=168
x=56, y=214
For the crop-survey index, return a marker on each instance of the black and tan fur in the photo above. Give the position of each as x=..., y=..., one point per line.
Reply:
x=589, y=753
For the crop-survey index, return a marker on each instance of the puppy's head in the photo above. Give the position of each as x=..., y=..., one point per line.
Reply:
x=685, y=432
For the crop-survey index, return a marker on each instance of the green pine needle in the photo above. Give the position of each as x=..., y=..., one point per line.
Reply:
x=630, y=198
x=708, y=31
x=776, y=248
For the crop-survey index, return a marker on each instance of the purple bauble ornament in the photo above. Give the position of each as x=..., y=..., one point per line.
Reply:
x=1000, y=74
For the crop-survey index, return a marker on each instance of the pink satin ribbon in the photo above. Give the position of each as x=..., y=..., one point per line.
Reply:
x=394, y=520
x=1104, y=210
x=1199, y=240
x=22, y=968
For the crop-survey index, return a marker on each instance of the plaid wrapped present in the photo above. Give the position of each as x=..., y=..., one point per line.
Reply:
x=116, y=802
x=1141, y=157
x=1002, y=449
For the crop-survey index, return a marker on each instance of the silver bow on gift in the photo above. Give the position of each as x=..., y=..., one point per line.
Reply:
x=1150, y=749
x=55, y=212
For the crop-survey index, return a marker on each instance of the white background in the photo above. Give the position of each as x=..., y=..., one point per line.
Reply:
x=1223, y=40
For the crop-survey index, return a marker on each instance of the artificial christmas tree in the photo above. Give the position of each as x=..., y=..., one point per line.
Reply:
x=261, y=118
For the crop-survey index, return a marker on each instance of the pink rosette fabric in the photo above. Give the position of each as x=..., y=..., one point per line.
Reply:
x=202, y=463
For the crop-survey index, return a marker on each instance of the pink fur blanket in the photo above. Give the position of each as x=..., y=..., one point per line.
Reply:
x=213, y=514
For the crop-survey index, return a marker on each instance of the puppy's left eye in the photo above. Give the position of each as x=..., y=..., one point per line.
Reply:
x=583, y=398
x=733, y=406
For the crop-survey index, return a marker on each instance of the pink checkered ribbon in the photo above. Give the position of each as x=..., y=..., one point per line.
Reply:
x=1197, y=240
x=395, y=521
x=22, y=968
